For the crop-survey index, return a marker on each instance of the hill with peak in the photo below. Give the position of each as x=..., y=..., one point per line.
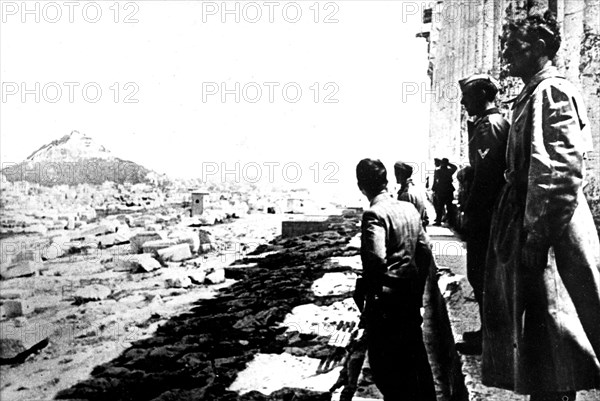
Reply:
x=75, y=159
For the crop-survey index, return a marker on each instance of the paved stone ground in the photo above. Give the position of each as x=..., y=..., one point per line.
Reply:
x=464, y=316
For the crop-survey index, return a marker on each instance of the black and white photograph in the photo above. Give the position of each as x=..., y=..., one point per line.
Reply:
x=310, y=200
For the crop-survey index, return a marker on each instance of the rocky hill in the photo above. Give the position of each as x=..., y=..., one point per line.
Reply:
x=75, y=159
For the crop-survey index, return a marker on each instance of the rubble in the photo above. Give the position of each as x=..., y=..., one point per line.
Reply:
x=178, y=282
x=243, y=321
x=94, y=292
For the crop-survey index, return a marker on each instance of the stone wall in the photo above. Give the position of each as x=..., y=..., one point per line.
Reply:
x=465, y=39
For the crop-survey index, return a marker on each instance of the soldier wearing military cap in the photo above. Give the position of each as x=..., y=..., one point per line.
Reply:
x=409, y=192
x=488, y=133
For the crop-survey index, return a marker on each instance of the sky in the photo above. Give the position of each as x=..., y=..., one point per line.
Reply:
x=187, y=90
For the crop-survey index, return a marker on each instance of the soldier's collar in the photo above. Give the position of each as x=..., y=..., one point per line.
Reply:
x=493, y=110
x=549, y=71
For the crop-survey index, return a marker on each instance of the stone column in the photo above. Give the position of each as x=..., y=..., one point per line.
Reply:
x=572, y=35
x=537, y=6
x=592, y=16
x=589, y=68
x=499, y=20
x=488, y=33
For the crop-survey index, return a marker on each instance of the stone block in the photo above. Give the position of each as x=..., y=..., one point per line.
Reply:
x=304, y=225
x=155, y=246
x=144, y=262
x=205, y=248
x=154, y=227
x=21, y=269
x=56, y=248
x=14, y=294
x=14, y=308
x=197, y=276
x=175, y=253
x=94, y=230
x=107, y=240
x=187, y=237
x=27, y=255
x=137, y=241
x=215, y=277
x=10, y=347
x=94, y=292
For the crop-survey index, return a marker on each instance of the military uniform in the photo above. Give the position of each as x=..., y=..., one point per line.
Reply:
x=487, y=156
x=443, y=191
x=409, y=193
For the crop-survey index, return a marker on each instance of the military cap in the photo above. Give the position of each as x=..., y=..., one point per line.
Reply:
x=403, y=169
x=480, y=78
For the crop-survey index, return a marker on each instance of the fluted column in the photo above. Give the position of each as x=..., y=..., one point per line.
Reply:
x=572, y=38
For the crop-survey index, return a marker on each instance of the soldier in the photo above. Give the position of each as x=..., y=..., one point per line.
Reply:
x=487, y=148
x=443, y=192
x=408, y=192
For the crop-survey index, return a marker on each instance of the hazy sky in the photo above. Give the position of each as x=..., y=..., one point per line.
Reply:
x=175, y=60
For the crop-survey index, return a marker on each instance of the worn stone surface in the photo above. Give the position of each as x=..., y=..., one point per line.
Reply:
x=21, y=269
x=10, y=347
x=138, y=240
x=14, y=308
x=144, y=262
x=175, y=253
x=94, y=292
x=154, y=246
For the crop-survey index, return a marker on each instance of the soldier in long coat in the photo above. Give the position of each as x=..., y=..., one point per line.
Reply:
x=541, y=331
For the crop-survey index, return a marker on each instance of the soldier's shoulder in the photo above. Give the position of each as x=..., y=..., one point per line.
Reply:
x=556, y=88
x=495, y=123
x=496, y=118
x=407, y=208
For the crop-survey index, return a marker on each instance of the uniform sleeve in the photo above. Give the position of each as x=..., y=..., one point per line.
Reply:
x=423, y=259
x=424, y=215
x=555, y=172
x=373, y=252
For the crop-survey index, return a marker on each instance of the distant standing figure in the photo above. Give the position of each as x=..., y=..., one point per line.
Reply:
x=541, y=328
x=443, y=191
x=408, y=192
x=487, y=155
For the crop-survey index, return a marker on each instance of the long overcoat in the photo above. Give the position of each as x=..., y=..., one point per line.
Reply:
x=541, y=324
